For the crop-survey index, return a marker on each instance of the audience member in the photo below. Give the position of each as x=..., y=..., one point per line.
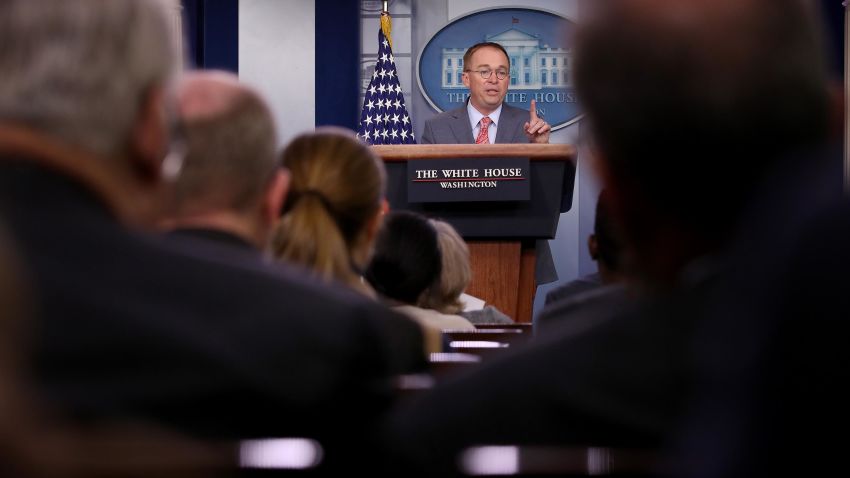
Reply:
x=231, y=187
x=770, y=394
x=407, y=262
x=773, y=360
x=334, y=207
x=130, y=326
x=604, y=248
x=36, y=443
x=659, y=80
x=597, y=296
x=447, y=294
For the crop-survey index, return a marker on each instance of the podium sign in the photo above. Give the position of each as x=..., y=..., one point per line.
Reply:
x=501, y=232
x=468, y=180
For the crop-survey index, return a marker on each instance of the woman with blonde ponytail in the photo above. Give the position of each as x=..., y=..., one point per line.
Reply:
x=334, y=207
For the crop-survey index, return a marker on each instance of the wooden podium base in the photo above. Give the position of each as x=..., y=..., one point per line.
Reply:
x=503, y=276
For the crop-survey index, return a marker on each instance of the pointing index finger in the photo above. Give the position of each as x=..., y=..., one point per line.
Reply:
x=533, y=110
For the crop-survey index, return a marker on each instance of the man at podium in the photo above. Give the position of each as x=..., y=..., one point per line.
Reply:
x=485, y=119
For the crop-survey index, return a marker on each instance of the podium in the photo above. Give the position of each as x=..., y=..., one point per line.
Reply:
x=501, y=234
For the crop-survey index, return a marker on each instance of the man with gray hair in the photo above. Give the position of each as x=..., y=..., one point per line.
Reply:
x=69, y=85
x=231, y=186
x=132, y=326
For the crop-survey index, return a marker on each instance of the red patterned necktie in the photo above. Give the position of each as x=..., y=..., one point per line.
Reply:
x=482, y=135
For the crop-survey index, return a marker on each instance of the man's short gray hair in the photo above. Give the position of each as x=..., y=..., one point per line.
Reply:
x=231, y=154
x=78, y=70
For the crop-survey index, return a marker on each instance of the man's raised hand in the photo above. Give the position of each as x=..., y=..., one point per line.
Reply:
x=536, y=129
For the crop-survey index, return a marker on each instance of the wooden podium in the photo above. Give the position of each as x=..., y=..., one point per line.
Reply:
x=502, y=234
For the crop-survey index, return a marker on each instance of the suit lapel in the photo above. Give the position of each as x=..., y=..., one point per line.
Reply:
x=509, y=120
x=460, y=126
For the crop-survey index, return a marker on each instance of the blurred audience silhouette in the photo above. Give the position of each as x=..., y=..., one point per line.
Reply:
x=604, y=247
x=231, y=187
x=447, y=294
x=34, y=442
x=128, y=325
x=406, y=263
x=595, y=297
x=661, y=81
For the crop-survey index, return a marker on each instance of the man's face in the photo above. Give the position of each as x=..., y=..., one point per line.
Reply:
x=487, y=95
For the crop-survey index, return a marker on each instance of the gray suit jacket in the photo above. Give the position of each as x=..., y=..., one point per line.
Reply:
x=452, y=127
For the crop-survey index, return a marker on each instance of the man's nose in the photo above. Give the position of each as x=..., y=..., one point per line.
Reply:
x=493, y=78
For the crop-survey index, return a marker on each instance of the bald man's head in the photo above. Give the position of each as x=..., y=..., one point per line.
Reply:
x=231, y=144
x=209, y=94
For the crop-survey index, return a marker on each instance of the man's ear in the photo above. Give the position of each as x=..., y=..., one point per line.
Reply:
x=465, y=78
x=275, y=196
x=150, y=135
x=620, y=188
x=592, y=246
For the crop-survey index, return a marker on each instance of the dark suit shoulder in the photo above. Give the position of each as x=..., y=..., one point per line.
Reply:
x=314, y=308
x=569, y=388
x=573, y=287
x=214, y=341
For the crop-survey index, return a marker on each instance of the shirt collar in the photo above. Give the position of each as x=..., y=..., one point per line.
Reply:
x=475, y=116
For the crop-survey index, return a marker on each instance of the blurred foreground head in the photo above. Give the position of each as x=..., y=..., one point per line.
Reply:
x=231, y=177
x=690, y=103
x=83, y=88
x=407, y=258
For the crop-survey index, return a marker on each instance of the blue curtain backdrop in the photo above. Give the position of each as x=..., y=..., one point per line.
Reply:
x=212, y=33
x=338, y=63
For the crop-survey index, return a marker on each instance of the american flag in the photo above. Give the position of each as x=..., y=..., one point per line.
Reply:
x=384, y=119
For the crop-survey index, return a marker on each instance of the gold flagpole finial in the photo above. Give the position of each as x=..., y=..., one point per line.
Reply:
x=386, y=24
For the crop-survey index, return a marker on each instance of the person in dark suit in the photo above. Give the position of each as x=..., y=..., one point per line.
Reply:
x=591, y=298
x=129, y=325
x=770, y=393
x=231, y=186
x=641, y=68
x=36, y=442
x=605, y=248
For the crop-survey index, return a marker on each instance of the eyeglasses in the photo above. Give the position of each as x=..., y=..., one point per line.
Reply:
x=486, y=74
